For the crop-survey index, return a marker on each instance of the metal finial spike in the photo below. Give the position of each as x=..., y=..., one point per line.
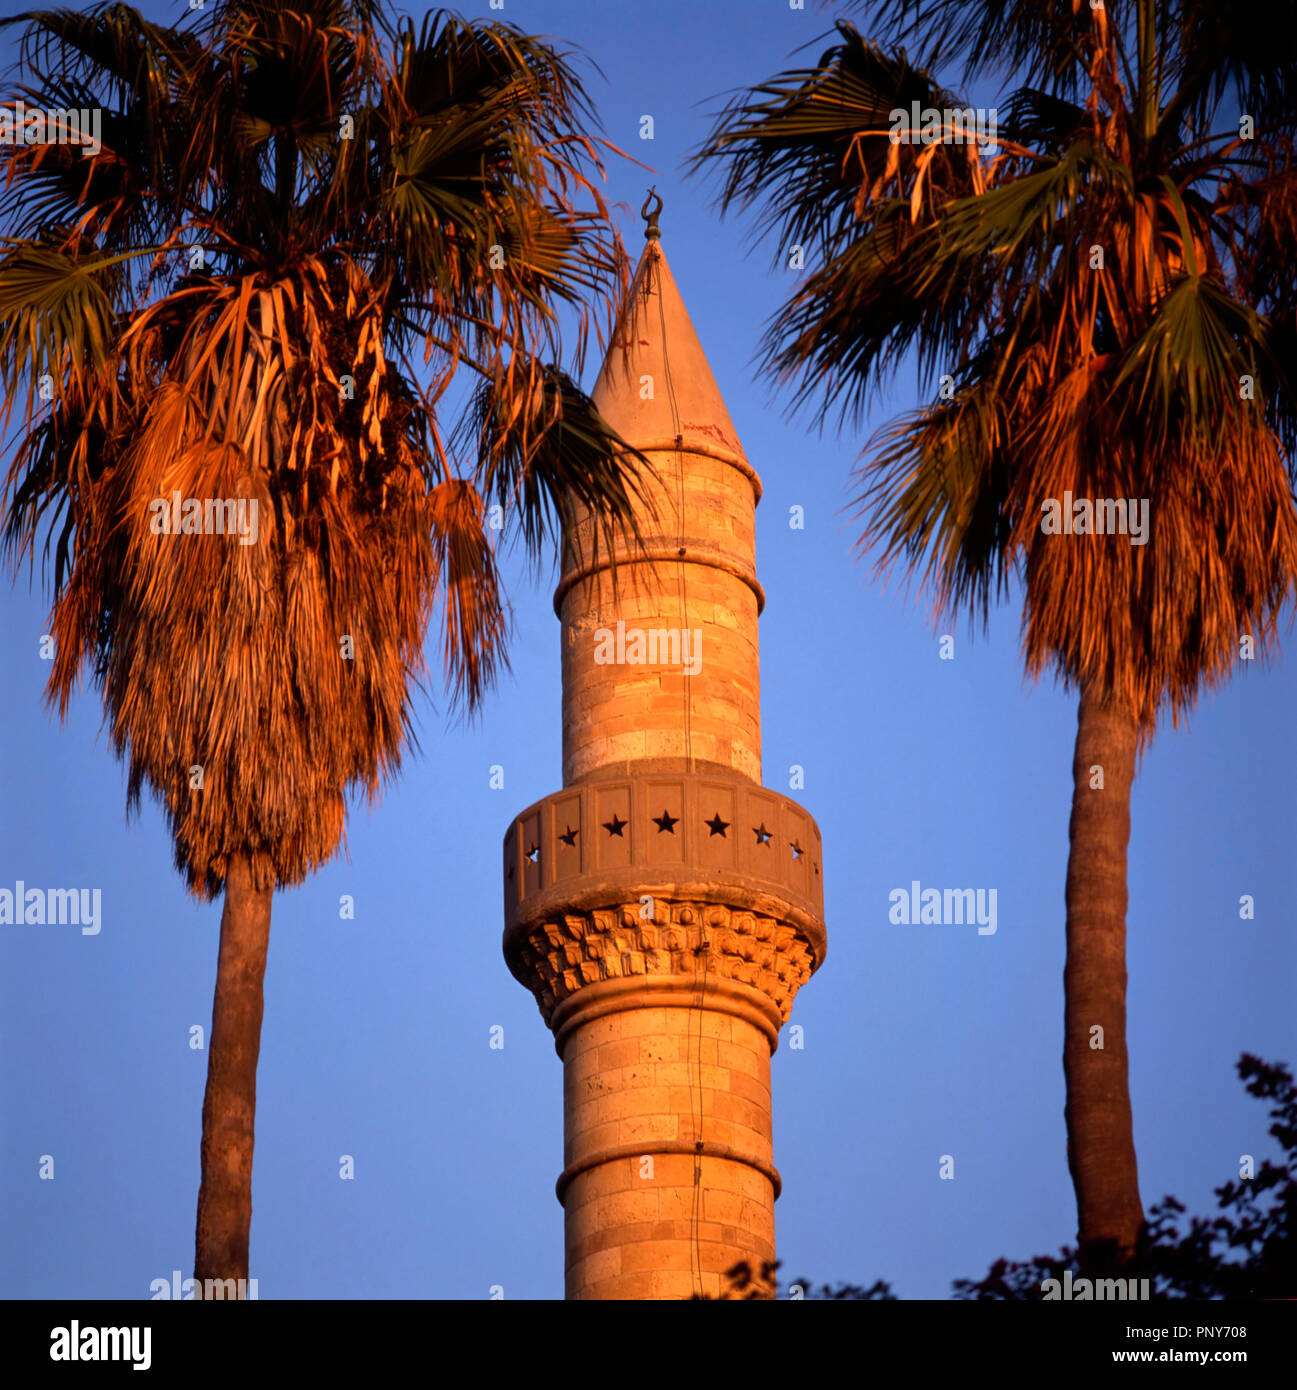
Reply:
x=652, y=231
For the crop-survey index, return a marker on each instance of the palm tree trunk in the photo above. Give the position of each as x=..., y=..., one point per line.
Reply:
x=230, y=1103
x=1100, y=1139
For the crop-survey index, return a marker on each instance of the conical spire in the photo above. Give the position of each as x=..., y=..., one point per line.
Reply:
x=655, y=383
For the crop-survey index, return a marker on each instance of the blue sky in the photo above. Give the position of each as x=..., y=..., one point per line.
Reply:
x=920, y=1041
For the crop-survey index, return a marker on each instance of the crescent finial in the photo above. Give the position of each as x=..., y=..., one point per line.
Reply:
x=652, y=231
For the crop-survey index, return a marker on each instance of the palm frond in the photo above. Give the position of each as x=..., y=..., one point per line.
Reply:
x=239, y=461
x=1108, y=300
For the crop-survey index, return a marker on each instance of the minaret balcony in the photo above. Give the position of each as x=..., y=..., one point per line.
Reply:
x=668, y=863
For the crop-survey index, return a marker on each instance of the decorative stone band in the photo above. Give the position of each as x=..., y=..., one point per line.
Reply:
x=638, y=1149
x=671, y=444
x=725, y=840
x=694, y=551
x=721, y=994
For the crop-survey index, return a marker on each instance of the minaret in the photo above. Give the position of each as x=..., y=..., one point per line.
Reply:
x=664, y=908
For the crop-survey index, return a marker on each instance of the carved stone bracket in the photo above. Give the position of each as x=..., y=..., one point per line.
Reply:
x=703, y=941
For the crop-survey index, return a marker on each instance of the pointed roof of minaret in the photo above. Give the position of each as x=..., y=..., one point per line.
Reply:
x=655, y=338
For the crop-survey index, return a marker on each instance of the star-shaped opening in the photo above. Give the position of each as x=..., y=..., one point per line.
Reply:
x=616, y=825
x=666, y=823
x=797, y=850
x=762, y=834
x=533, y=854
x=569, y=837
x=717, y=826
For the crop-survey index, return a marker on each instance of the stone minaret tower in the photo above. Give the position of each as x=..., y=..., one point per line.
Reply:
x=664, y=908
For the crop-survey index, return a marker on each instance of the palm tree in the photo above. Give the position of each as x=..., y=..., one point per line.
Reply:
x=1107, y=289
x=256, y=297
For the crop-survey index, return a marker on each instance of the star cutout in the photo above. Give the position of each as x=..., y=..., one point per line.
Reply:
x=797, y=850
x=616, y=825
x=666, y=823
x=762, y=834
x=569, y=837
x=717, y=826
x=533, y=854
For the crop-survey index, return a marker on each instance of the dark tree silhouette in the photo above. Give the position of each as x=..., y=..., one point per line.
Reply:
x=1246, y=1254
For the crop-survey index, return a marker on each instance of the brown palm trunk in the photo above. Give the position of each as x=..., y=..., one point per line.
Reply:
x=1100, y=1139
x=230, y=1103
